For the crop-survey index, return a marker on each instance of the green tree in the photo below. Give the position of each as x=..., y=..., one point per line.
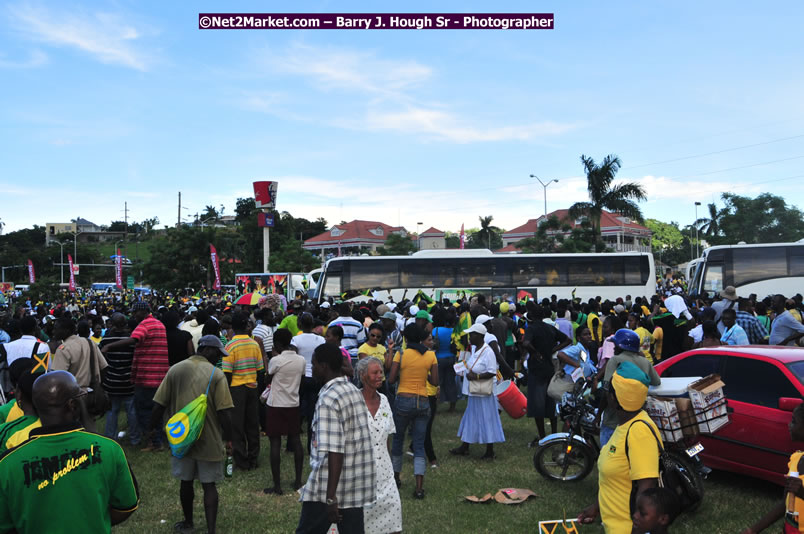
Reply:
x=555, y=235
x=764, y=219
x=397, y=245
x=488, y=236
x=452, y=240
x=710, y=226
x=620, y=198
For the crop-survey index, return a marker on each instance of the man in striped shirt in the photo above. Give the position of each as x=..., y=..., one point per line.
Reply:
x=241, y=368
x=354, y=333
x=149, y=365
x=117, y=380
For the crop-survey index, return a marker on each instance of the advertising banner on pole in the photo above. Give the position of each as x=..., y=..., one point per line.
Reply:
x=31, y=275
x=72, y=272
x=265, y=195
x=118, y=270
x=213, y=254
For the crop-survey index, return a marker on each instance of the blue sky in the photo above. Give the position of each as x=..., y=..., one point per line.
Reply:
x=103, y=103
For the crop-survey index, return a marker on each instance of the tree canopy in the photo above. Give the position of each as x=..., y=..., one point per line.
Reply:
x=397, y=245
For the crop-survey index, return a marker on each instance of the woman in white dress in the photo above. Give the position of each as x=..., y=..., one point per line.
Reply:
x=384, y=515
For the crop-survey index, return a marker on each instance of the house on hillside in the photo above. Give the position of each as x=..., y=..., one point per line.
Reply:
x=351, y=238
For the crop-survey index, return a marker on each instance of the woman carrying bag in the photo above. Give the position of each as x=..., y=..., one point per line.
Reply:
x=481, y=420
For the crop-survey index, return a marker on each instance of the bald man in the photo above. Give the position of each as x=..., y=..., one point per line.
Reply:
x=82, y=479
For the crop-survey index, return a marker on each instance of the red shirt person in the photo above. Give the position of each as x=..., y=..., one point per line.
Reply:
x=148, y=367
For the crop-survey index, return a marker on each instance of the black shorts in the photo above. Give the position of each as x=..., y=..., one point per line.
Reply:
x=282, y=421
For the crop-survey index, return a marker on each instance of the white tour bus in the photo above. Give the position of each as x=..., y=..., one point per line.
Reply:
x=762, y=269
x=446, y=273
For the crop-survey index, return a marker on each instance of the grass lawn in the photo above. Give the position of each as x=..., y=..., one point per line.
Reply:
x=731, y=503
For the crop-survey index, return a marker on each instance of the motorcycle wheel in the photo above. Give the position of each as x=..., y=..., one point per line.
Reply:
x=693, y=477
x=553, y=462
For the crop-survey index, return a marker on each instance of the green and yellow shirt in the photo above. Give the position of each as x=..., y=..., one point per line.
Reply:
x=73, y=475
x=5, y=410
x=10, y=428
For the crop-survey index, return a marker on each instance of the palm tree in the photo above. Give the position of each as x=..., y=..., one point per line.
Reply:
x=620, y=198
x=486, y=230
x=711, y=227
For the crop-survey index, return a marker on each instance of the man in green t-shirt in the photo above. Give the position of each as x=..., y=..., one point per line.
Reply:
x=184, y=382
x=22, y=369
x=82, y=480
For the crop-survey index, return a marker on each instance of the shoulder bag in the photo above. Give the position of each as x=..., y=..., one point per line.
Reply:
x=481, y=387
x=97, y=401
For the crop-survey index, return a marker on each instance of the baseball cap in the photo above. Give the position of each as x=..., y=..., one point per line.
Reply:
x=192, y=309
x=212, y=341
x=482, y=319
x=141, y=305
x=389, y=315
x=476, y=328
x=422, y=314
x=413, y=310
x=325, y=304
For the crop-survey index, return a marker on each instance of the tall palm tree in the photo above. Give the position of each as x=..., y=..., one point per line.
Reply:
x=710, y=227
x=620, y=198
x=486, y=229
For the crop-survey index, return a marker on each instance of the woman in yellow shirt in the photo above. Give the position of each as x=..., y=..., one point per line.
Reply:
x=630, y=456
x=412, y=406
x=374, y=349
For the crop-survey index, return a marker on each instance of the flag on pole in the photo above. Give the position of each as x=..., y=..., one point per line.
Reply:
x=118, y=270
x=31, y=275
x=213, y=254
x=463, y=237
x=72, y=273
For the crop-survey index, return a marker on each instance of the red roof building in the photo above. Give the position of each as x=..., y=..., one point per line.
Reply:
x=432, y=239
x=352, y=238
x=620, y=233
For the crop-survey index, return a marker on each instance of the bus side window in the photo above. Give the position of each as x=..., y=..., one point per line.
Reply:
x=713, y=280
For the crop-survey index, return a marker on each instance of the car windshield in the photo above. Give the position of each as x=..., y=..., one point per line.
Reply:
x=797, y=368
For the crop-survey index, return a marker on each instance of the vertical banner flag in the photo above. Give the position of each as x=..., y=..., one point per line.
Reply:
x=213, y=254
x=118, y=270
x=72, y=273
x=31, y=275
x=339, y=248
x=265, y=195
x=463, y=237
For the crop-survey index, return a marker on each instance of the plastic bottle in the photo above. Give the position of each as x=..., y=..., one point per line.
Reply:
x=229, y=466
x=790, y=498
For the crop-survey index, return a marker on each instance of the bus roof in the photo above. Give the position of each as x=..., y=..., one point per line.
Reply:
x=755, y=245
x=481, y=253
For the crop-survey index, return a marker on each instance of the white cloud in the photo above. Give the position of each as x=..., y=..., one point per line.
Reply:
x=36, y=58
x=107, y=37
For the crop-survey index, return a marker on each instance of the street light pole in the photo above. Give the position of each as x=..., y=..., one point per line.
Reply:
x=697, y=241
x=544, y=185
x=418, y=235
x=61, y=257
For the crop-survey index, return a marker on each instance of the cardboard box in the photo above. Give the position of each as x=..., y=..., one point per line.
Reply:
x=709, y=403
x=664, y=412
x=686, y=415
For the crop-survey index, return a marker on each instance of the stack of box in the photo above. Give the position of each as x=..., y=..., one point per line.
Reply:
x=687, y=406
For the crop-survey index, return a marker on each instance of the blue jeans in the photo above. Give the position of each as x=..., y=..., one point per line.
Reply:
x=605, y=434
x=111, y=419
x=414, y=411
x=144, y=405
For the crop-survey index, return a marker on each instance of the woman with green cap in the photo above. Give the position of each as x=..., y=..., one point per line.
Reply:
x=629, y=462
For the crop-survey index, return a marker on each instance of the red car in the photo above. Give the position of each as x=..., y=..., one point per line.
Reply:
x=763, y=386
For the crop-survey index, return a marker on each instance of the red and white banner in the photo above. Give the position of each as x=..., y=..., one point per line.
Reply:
x=118, y=270
x=31, y=275
x=265, y=195
x=463, y=237
x=72, y=273
x=213, y=254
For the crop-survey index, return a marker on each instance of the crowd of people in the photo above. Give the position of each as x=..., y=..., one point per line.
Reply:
x=349, y=375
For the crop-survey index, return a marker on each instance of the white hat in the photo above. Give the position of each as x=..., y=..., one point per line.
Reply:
x=391, y=306
x=325, y=304
x=482, y=319
x=93, y=312
x=476, y=328
x=413, y=310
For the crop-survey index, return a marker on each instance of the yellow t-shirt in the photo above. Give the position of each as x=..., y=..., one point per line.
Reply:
x=658, y=339
x=615, y=474
x=413, y=371
x=792, y=465
x=645, y=339
x=377, y=352
x=597, y=333
x=22, y=435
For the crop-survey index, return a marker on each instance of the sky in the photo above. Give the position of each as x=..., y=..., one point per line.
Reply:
x=103, y=103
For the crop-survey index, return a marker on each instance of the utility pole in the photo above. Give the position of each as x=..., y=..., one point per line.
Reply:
x=178, y=216
x=125, y=215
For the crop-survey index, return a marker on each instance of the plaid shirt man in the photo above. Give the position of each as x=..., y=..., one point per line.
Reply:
x=753, y=328
x=341, y=425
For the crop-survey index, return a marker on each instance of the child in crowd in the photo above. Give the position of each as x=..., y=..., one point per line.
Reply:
x=792, y=486
x=656, y=509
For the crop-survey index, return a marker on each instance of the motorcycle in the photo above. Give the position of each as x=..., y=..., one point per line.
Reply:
x=571, y=456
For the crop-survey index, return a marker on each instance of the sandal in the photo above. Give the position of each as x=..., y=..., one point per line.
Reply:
x=459, y=451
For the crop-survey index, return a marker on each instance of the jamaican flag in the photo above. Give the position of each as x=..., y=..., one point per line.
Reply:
x=421, y=297
x=184, y=427
x=464, y=323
